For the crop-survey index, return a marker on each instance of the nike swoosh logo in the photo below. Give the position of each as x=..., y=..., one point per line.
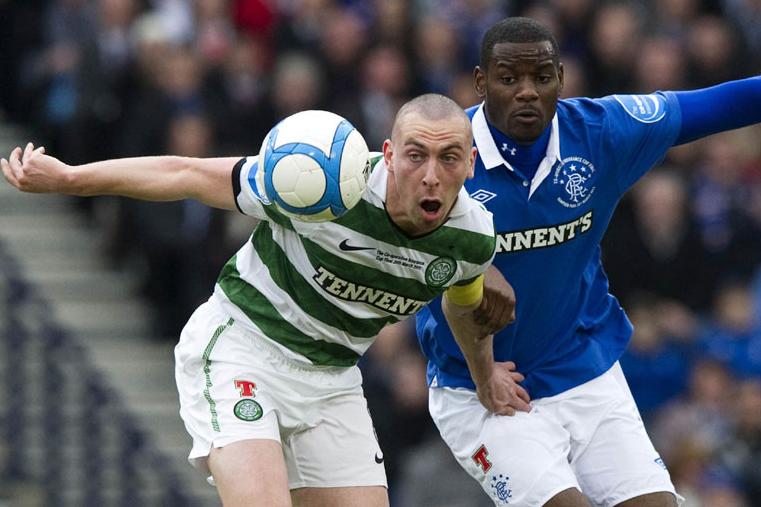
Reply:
x=346, y=247
x=378, y=460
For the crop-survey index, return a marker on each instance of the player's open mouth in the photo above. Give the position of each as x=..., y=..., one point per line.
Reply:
x=430, y=207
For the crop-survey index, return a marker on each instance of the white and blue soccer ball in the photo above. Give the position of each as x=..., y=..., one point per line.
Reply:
x=313, y=166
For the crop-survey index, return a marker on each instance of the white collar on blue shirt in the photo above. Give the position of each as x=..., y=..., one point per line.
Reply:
x=492, y=158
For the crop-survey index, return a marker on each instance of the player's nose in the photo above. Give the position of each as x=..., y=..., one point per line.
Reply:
x=527, y=90
x=431, y=172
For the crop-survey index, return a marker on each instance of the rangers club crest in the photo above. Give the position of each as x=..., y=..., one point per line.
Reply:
x=574, y=177
x=501, y=489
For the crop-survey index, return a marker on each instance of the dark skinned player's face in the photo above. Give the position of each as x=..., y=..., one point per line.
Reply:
x=521, y=87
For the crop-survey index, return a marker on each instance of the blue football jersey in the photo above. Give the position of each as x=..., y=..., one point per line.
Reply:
x=569, y=329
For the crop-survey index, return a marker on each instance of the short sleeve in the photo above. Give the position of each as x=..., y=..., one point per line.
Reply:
x=249, y=195
x=639, y=130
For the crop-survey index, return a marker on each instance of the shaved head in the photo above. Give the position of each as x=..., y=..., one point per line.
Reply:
x=516, y=30
x=428, y=158
x=431, y=106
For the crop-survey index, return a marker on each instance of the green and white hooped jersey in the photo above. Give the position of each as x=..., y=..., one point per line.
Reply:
x=324, y=290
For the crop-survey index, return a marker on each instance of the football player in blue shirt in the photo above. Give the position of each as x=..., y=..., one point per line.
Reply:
x=552, y=172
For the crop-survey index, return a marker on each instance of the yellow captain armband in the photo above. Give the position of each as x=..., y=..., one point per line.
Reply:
x=465, y=295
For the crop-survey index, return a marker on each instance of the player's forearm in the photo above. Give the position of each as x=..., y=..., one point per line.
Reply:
x=149, y=178
x=160, y=178
x=474, y=342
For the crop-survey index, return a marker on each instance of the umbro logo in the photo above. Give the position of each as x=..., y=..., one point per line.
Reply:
x=483, y=195
x=511, y=150
x=346, y=247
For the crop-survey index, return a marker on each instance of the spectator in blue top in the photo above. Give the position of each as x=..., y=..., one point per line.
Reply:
x=733, y=335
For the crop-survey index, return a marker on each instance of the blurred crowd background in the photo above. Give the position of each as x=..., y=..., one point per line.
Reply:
x=95, y=79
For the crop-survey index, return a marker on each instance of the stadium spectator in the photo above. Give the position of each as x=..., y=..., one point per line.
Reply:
x=182, y=242
x=394, y=24
x=733, y=335
x=656, y=247
x=710, y=47
x=701, y=414
x=721, y=187
x=385, y=84
x=741, y=453
x=656, y=365
x=437, y=54
x=746, y=14
x=672, y=18
x=297, y=84
x=616, y=31
x=215, y=33
x=660, y=65
x=239, y=90
x=342, y=47
x=53, y=74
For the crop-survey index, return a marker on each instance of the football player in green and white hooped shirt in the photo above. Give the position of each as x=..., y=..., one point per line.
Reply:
x=266, y=368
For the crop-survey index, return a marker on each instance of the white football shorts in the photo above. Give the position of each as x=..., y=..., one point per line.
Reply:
x=235, y=384
x=590, y=438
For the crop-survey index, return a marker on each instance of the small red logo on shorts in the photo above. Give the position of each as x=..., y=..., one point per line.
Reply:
x=480, y=458
x=246, y=387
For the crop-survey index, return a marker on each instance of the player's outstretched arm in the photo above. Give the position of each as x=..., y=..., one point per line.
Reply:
x=162, y=178
x=726, y=106
x=496, y=383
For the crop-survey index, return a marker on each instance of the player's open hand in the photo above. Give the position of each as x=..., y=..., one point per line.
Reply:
x=498, y=304
x=30, y=170
x=501, y=393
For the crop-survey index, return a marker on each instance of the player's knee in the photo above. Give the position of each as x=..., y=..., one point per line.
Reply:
x=253, y=495
x=250, y=473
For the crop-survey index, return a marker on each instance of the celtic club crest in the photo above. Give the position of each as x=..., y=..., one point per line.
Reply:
x=440, y=271
x=575, y=177
x=248, y=410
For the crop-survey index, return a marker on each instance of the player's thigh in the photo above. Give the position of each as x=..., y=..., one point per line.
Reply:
x=250, y=473
x=619, y=462
x=519, y=460
x=661, y=499
x=224, y=386
x=364, y=496
x=569, y=498
x=339, y=450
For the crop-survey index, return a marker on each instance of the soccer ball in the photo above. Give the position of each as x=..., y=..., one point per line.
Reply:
x=313, y=166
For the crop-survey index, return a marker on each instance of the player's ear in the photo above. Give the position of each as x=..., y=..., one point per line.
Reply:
x=388, y=152
x=472, y=161
x=479, y=82
x=561, y=78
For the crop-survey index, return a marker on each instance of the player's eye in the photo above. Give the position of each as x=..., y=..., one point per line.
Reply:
x=544, y=79
x=416, y=157
x=507, y=80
